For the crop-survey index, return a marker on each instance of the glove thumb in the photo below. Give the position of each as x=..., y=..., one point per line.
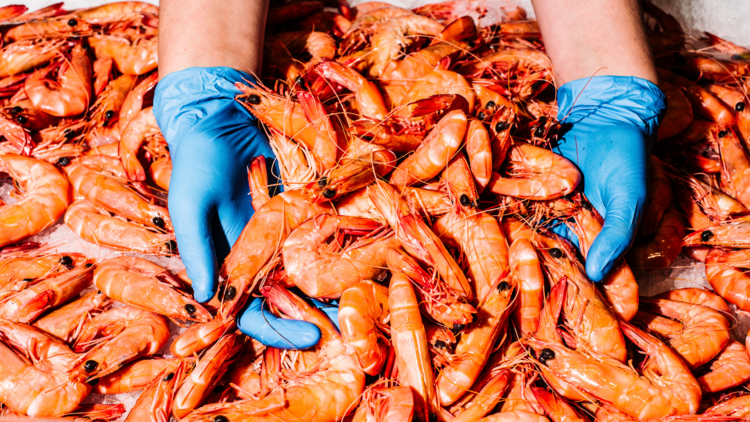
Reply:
x=277, y=332
x=620, y=222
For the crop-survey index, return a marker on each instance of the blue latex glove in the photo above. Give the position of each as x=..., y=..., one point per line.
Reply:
x=614, y=121
x=212, y=139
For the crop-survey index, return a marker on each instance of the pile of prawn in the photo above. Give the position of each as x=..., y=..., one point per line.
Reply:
x=416, y=187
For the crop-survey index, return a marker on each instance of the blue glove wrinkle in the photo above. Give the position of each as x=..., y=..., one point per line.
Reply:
x=277, y=332
x=613, y=123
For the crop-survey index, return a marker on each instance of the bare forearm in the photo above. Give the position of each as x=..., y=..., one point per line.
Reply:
x=207, y=33
x=587, y=37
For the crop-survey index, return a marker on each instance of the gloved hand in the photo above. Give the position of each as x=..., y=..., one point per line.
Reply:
x=212, y=139
x=614, y=121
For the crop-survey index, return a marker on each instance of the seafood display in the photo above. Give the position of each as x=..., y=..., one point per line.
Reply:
x=422, y=190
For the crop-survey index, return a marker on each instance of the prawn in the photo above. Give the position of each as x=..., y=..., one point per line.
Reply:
x=23, y=56
x=620, y=287
x=368, y=98
x=50, y=28
x=479, y=150
x=136, y=57
x=730, y=368
x=351, y=174
x=526, y=271
x=161, y=172
x=435, y=300
x=133, y=103
x=116, y=337
x=324, y=270
x=417, y=238
x=98, y=178
x=206, y=374
x=437, y=149
x=363, y=311
x=136, y=375
x=724, y=271
x=200, y=336
x=36, y=383
x=99, y=228
x=535, y=173
x=23, y=269
x=47, y=195
x=731, y=234
x=26, y=305
x=155, y=403
x=698, y=297
x=288, y=117
x=660, y=196
x=71, y=94
x=142, y=129
x=735, y=163
x=663, y=247
x=514, y=416
x=438, y=82
x=476, y=342
x=261, y=239
x=698, y=337
x=410, y=343
x=390, y=36
x=66, y=321
x=324, y=394
x=142, y=284
x=679, y=112
x=386, y=404
x=482, y=244
x=667, y=387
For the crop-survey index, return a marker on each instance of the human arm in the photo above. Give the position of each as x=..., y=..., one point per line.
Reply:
x=609, y=102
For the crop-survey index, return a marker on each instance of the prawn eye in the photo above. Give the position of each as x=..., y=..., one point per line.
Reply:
x=72, y=22
x=21, y=119
x=300, y=81
x=169, y=376
x=16, y=110
x=69, y=134
x=465, y=200
x=230, y=293
x=722, y=133
x=28, y=280
x=329, y=193
x=440, y=344
x=707, y=235
x=221, y=418
x=543, y=120
x=501, y=126
x=555, y=253
x=253, y=99
x=458, y=327
x=538, y=84
x=586, y=206
x=109, y=114
x=166, y=148
x=490, y=104
x=539, y=132
x=190, y=309
x=158, y=222
x=90, y=365
x=503, y=286
x=739, y=106
x=367, y=138
x=481, y=116
x=546, y=355
x=67, y=262
x=88, y=265
x=322, y=182
x=172, y=245
x=63, y=161
x=93, y=381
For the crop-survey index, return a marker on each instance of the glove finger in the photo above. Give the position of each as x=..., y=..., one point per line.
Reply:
x=191, y=226
x=234, y=211
x=277, y=332
x=331, y=309
x=623, y=214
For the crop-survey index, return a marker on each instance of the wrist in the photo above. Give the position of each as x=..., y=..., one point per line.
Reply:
x=612, y=100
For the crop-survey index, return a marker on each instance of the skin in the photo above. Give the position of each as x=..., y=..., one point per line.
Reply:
x=197, y=33
x=587, y=37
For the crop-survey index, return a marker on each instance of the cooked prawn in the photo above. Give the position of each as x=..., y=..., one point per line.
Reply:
x=363, y=311
x=526, y=270
x=131, y=57
x=71, y=95
x=142, y=284
x=47, y=195
x=66, y=321
x=730, y=368
x=136, y=375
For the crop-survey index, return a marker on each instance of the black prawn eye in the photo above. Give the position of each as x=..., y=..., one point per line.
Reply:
x=546, y=355
x=555, y=253
x=72, y=22
x=253, y=99
x=707, y=235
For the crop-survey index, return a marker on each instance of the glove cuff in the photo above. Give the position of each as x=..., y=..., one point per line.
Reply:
x=194, y=91
x=613, y=99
